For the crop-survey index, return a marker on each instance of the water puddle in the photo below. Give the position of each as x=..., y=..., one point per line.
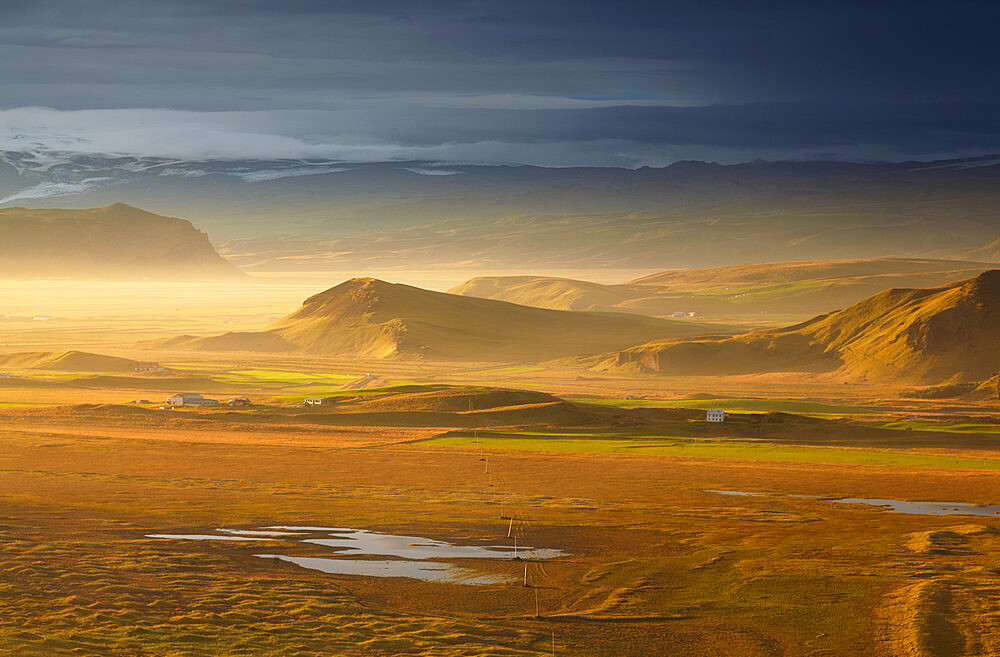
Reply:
x=257, y=532
x=926, y=508
x=361, y=541
x=208, y=537
x=415, y=554
x=892, y=506
x=741, y=493
x=430, y=571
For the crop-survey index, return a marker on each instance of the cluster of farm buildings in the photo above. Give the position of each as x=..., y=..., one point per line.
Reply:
x=196, y=399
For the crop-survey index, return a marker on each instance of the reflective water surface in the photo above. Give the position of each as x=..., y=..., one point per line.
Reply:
x=362, y=541
x=416, y=554
x=207, y=537
x=892, y=506
x=926, y=508
x=431, y=571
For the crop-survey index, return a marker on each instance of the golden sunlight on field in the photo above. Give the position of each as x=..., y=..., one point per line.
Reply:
x=642, y=529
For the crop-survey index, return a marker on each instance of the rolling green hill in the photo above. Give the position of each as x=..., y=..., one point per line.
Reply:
x=372, y=318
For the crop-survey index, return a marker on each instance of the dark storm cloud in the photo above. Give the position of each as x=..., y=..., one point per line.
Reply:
x=551, y=82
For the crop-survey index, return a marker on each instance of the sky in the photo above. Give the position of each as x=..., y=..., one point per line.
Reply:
x=583, y=83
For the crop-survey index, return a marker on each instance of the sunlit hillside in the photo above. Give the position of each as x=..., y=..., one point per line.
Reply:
x=375, y=319
x=777, y=287
x=900, y=335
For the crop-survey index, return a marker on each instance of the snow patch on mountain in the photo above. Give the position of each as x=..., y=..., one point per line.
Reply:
x=428, y=171
x=52, y=189
x=275, y=174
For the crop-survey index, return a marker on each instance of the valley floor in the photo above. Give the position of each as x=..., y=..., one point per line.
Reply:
x=618, y=474
x=654, y=562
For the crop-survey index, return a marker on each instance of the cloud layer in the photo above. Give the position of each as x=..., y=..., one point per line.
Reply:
x=606, y=83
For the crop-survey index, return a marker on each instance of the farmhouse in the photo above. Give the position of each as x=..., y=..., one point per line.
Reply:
x=191, y=399
x=147, y=366
x=715, y=416
x=239, y=401
x=317, y=401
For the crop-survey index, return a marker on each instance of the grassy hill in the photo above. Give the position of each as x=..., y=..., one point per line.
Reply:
x=370, y=318
x=808, y=287
x=932, y=335
x=69, y=361
x=117, y=242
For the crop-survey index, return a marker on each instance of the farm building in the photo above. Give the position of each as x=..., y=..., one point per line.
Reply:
x=715, y=416
x=148, y=366
x=239, y=401
x=191, y=399
x=317, y=401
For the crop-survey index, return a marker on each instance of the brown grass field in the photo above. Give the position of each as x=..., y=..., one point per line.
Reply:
x=653, y=564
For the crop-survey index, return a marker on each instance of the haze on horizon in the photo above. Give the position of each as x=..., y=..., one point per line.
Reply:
x=517, y=82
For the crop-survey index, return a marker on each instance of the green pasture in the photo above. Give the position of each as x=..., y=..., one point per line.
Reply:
x=687, y=448
x=734, y=405
x=958, y=427
x=751, y=293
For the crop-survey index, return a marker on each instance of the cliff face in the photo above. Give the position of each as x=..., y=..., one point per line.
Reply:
x=116, y=242
x=900, y=336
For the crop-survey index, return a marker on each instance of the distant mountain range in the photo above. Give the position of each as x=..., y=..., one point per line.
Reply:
x=806, y=288
x=315, y=215
x=366, y=317
x=943, y=334
x=116, y=242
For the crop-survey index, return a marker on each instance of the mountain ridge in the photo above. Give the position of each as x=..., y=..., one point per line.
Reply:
x=804, y=287
x=361, y=216
x=118, y=242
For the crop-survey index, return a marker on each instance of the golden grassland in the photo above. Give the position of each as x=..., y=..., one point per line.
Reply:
x=653, y=563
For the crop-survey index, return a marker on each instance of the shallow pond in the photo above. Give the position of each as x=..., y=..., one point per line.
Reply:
x=431, y=571
x=415, y=554
x=926, y=508
x=208, y=537
x=361, y=541
x=893, y=506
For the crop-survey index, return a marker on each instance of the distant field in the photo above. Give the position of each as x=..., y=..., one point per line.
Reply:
x=765, y=292
x=961, y=427
x=393, y=387
x=506, y=370
x=683, y=447
x=741, y=405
